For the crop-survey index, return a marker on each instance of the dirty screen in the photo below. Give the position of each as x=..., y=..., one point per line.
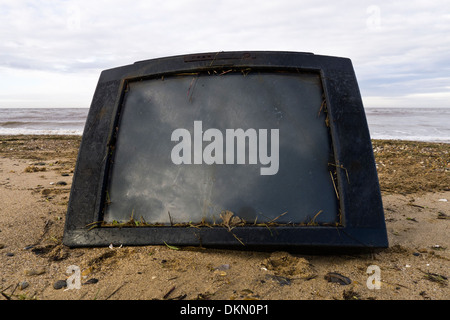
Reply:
x=192, y=146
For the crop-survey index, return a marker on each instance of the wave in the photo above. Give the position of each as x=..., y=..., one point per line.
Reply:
x=40, y=124
x=20, y=131
x=13, y=124
x=42, y=121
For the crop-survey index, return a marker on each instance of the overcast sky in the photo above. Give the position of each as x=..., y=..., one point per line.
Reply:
x=52, y=52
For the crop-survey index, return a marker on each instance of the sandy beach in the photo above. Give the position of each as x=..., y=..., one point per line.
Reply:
x=35, y=179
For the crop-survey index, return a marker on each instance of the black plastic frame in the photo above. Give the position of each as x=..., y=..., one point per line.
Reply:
x=361, y=208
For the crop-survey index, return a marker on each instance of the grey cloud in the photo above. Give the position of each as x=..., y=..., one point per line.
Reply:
x=389, y=43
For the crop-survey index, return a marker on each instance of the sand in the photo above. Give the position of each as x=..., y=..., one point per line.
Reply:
x=35, y=180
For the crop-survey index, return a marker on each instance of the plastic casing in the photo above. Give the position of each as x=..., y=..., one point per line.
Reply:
x=361, y=209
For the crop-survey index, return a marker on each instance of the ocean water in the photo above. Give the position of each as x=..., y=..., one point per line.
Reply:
x=414, y=124
x=424, y=124
x=58, y=121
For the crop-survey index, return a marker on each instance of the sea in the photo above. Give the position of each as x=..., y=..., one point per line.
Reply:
x=413, y=124
x=48, y=121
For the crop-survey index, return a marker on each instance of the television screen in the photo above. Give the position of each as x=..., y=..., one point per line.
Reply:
x=222, y=149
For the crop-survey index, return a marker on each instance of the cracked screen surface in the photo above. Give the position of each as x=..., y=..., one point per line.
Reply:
x=192, y=146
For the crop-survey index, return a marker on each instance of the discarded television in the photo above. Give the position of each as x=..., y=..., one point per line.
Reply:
x=224, y=149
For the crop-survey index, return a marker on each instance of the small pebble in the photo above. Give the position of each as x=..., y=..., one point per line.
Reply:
x=61, y=183
x=337, y=278
x=64, y=174
x=23, y=285
x=91, y=281
x=222, y=267
x=220, y=273
x=60, y=284
x=46, y=192
x=282, y=281
x=416, y=254
x=10, y=254
x=34, y=272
